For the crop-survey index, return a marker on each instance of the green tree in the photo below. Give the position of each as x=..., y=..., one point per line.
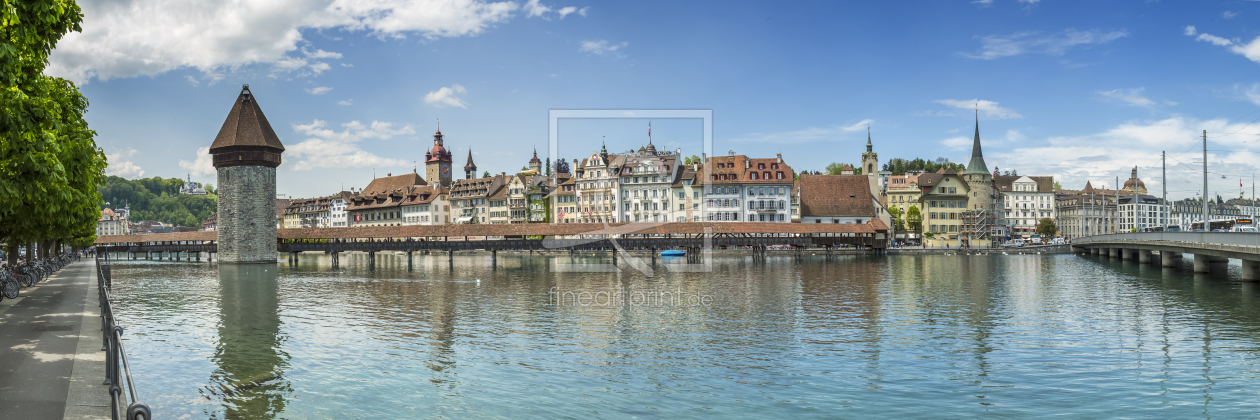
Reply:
x=834, y=168
x=692, y=160
x=914, y=219
x=486, y=174
x=49, y=163
x=1057, y=186
x=898, y=223
x=548, y=173
x=1046, y=228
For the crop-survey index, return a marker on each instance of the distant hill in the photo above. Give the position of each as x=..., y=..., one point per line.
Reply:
x=158, y=199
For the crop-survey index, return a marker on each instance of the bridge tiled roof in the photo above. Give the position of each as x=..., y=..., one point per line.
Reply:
x=530, y=229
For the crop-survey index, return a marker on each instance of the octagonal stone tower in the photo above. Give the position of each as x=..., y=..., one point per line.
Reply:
x=246, y=153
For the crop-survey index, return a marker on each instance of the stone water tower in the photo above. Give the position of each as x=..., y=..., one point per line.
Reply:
x=246, y=153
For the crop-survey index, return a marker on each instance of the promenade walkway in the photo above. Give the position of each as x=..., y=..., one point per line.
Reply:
x=51, y=363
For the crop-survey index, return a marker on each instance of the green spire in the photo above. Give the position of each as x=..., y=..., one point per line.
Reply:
x=977, y=166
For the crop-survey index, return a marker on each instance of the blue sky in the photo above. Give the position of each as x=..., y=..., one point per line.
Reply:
x=1080, y=90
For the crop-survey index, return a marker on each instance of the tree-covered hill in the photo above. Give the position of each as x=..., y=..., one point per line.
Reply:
x=159, y=199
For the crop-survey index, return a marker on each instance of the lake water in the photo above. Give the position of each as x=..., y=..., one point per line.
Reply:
x=801, y=337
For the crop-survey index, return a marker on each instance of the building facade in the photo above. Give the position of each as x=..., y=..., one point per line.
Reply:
x=687, y=194
x=1026, y=200
x=647, y=177
x=380, y=203
x=426, y=205
x=470, y=198
x=437, y=162
x=1141, y=212
x=1085, y=214
x=111, y=223
x=596, y=180
x=749, y=190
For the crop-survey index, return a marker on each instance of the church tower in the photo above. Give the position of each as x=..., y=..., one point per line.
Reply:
x=535, y=164
x=470, y=169
x=437, y=163
x=870, y=165
x=245, y=154
x=977, y=176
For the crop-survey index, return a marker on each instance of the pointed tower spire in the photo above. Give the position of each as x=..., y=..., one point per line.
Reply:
x=868, y=138
x=977, y=166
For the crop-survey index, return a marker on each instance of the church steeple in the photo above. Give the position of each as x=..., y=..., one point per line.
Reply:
x=868, y=139
x=470, y=169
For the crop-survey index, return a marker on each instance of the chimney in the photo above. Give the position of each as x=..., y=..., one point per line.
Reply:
x=747, y=163
x=731, y=153
x=780, y=155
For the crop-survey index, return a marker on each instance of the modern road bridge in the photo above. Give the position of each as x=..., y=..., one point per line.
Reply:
x=1207, y=248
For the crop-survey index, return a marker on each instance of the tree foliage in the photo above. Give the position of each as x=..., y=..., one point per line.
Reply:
x=899, y=166
x=50, y=165
x=834, y=168
x=166, y=205
x=898, y=222
x=914, y=219
x=1047, y=228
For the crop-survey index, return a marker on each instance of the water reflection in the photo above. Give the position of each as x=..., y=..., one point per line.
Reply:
x=251, y=364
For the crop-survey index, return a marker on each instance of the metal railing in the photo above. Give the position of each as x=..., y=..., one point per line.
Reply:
x=1215, y=238
x=117, y=370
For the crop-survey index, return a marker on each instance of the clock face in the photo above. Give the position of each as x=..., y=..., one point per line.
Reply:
x=446, y=170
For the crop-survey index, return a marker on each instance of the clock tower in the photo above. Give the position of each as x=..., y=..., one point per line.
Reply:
x=437, y=163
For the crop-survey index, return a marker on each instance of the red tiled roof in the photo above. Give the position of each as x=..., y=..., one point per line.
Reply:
x=836, y=195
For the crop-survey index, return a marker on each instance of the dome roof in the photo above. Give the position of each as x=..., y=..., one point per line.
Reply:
x=438, y=153
x=651, y=149
x=1130, y=183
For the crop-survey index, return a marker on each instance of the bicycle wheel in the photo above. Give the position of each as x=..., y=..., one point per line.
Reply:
x=10, y=289
x=28, y=280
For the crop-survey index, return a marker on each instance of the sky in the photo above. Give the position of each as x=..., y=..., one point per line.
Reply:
x=1078, y=90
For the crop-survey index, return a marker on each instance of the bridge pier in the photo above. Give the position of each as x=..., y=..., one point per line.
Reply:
x=1203, y=263
x=450, y=255
x=371, y=259
x=1128, y=254
x=1250, y=269
x=494, y=256
x=614, y=252
x=210, y=257
x=1144, y=256
x=409, y=261
x=1168, y=259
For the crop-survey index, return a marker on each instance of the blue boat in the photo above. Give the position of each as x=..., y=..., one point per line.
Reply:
x=672, y=253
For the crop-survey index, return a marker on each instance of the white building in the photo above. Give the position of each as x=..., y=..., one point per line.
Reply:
x=746, y=189
x=111, y=223
x=337, y=209
x=426, y=205
x=192, y=188
x=1027, y=200
x=1138, y=213
x=596, y=181
x=647, y=178
x=687, y=194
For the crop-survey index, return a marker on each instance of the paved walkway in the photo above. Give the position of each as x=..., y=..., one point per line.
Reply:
x=51, y=363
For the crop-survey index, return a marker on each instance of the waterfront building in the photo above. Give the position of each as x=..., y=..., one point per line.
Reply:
x=379, y=204
x=839, y=199
x=1084, y=214
x=796, y=200
x=245, y=154
x=564, y=199
x=497, y=210
x=1188, y=211
x=749, y=189
x=1246, y=207
x=337, y=216
x=538, y=203
x=210, y=222
x=945, y=197
x=647, y=177
x=596, y=192
x=281, y=204
x=470, y=198
x=687, y=192
x=516, y=195
x=308, y=212
x=111, y=223
x=437, y=162
x=1026, y=200
x=1141, y=212
x=426, y=205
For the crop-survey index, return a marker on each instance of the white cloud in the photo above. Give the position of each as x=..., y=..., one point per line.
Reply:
x=834, y=133
x=445, y=97
x=1102, y=156
x=1251, y=94
x=566, y=11
x=535, y=8
x=123, y=168
x=965, y=143
x=983, y=3
x=346, y=102
x=327, y=148
x=1030, y=2
x=994, y=46
x=858, y=125
x=582, y=11
x=202, y=165
x=1130, y=96
x=192, y=80
x=1229, y=14
x=126, y=38
x=318, y=90
x=987, y=108
x=1250, y=50
x=602, y=47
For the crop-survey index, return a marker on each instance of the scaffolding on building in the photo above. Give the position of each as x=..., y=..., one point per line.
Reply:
x=979, y=225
